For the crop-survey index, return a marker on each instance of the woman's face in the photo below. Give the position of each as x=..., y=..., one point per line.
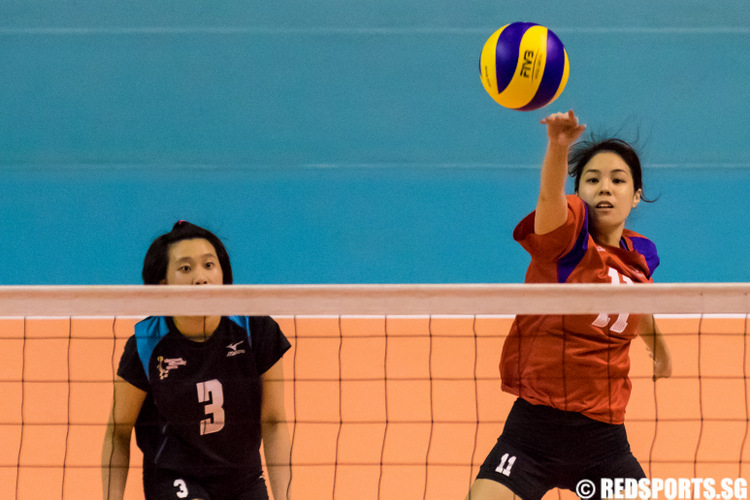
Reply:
x=606, y=186
x=193, y=262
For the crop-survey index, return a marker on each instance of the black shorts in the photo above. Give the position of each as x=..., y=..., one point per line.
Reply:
x=162, y=484
x=543, y=448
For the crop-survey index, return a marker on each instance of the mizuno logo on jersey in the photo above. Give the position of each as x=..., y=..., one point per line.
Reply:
x=167, y=364
x=233, y=351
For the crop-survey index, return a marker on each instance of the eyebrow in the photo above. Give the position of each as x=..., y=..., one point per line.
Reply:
x=597, y=171
x=207, y=255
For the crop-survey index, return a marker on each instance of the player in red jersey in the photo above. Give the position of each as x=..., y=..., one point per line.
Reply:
x=570, y=373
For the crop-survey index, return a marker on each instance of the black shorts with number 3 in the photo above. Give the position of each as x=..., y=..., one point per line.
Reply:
x=543, y=448
x=161, y=484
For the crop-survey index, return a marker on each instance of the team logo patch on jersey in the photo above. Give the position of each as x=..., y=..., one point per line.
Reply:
x=233, y=349
x=167, y=364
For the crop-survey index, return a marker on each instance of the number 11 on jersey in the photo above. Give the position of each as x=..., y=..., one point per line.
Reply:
x=622, y=319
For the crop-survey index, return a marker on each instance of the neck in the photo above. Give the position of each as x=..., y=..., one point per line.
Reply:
x=610, y=237
x=198, y=328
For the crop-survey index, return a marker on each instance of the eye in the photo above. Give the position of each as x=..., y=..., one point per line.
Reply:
x=184, y=268
x=591, y=180
x=210, y=265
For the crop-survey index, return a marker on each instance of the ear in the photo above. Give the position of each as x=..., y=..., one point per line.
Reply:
x=637, y=197
x=163, y=281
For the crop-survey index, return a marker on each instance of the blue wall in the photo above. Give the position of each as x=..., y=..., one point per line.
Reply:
x=344, y=142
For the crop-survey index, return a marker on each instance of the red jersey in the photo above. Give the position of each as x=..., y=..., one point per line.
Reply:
x=576, y=362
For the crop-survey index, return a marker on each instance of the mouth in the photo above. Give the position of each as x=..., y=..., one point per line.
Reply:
x=604, y=204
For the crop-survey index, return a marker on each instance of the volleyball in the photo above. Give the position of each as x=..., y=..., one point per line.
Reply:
x=524, y=66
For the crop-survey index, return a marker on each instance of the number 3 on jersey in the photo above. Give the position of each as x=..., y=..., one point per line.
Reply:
x=622, y=319
x=211, y=393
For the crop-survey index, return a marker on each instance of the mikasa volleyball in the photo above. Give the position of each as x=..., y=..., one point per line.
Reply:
x=524, y=66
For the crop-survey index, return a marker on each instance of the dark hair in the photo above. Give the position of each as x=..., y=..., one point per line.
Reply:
x=583, y=151
x=157, y=256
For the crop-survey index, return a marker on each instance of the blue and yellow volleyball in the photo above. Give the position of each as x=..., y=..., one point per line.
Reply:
x=524, y=66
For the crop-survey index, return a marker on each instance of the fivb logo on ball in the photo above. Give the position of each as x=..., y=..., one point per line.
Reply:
x=524, y=66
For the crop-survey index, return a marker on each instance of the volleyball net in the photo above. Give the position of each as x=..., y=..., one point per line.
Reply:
x=391, y=391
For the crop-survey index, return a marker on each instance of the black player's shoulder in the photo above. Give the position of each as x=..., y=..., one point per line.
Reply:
x=257, y=324
x=262, y=325
x=263, y=320
x=131, y=345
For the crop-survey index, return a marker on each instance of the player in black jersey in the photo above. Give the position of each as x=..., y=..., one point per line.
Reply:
x=201, y=392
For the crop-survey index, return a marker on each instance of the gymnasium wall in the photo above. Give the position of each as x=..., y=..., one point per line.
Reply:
x=351, y=142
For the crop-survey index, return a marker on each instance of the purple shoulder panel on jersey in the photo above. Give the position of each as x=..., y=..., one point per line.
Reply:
x=646, y=247
x=570, y=260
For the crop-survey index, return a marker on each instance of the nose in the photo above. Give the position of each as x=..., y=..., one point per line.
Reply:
x=605, y=187
x=199, y=279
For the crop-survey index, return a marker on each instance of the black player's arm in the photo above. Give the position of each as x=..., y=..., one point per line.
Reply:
x=657, y=346
x=275, y=432
x=126, y=405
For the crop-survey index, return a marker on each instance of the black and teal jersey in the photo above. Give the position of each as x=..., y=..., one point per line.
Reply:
x=201, y=415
